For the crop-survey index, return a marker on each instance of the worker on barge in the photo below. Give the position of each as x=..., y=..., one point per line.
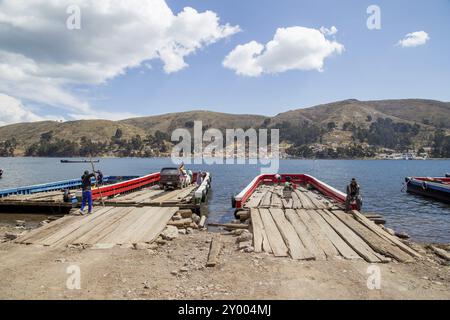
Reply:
x=353, y=195
x=87, y=193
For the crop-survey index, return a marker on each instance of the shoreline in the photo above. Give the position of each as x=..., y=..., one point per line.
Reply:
x=177, y=269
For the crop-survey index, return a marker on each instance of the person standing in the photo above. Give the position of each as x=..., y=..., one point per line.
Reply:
x=353, y=195
x=99, y=178
x=86, y=191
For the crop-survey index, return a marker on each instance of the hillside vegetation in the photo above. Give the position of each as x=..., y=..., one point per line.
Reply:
x=347, y=129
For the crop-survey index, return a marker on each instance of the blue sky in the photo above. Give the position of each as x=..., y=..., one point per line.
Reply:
x=371, y=67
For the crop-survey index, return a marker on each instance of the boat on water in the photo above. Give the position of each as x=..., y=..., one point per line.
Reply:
x=435, y=188
x=309, y=185
x=80, y=161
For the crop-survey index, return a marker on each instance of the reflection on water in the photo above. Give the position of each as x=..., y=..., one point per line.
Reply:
x=381, y=183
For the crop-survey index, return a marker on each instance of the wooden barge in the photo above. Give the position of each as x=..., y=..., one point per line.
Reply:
x=435, y=188
x=134, y=191
x=308, y=222
x=134, y=213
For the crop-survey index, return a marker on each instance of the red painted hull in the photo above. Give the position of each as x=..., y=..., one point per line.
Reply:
x=322, y=187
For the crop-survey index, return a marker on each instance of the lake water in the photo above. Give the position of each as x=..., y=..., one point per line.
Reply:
x=381, y=183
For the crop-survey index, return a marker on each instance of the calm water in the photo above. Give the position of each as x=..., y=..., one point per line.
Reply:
x=381, y=182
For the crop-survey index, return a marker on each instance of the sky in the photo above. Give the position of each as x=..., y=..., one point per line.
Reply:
x=116, y=59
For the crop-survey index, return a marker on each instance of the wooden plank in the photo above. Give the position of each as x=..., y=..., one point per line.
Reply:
x=384, y=234
x=153, y=215
x=376, y=242
x=266, y=200
x=351, y=238
x=45, y=230
x=344, y=249
x=276, y=199
x=276, y=241
x=214, y=251
x=255, y=199
x=127, y=223
x=321, y=239
x=306, y=203
x=158, y=226
x=305, y=236
x=68, y=228
x=84, y=229
x=105, y=229
x=258, y=229
x=296, y=248
x=296, y=203
x=316, y=200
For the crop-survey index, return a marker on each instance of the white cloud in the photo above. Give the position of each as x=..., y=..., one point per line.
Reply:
x=414, y=39
x=41, y=60
x=294, y=48
x=329, y=32
x=13, y=111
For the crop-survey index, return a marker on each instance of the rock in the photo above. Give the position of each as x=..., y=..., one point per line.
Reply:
x=185, y=213
x=161, y=242
x=249, y=249
x=19, y=227
x=196, y=218
x=246, y=236
x=174, y=272
x=170, y=233
x=151, y=252
x=60, y=260
x=10, y=236
x=238, y=232
x=43, y=223
x=182, y=231
x=141, y=246
x=245, y=244
x=176, y=217
x=184, y=269
x=20, y=223
x=152, y=246
x=189, y=230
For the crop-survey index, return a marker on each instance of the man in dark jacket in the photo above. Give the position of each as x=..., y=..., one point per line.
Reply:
x=353, y=195
x=87, y=193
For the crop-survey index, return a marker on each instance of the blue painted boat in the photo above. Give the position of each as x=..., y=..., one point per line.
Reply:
x=435, y=188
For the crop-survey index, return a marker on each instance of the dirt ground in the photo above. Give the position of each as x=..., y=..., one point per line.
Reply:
x=176, y=270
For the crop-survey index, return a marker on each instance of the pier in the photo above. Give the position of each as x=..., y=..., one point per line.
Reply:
x=309, y=223
x=126, y=213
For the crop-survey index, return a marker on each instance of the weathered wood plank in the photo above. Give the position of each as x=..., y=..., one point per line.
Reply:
x=258, y=230
x=45, y=230
x=296, y=248
x=305, y=236
x=384, y=234
x=266, y=200
x=376, y=242
x=321, y=239
x=276, y=241
x=306, y=203
x=103, y=228
x=214, y=251
x=158, y=226
x=344, y=249
x=351, y=238
x=108, y=227
x=68, y=228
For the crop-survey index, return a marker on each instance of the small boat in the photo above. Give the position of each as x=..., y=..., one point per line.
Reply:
x=436, y=188
x=316, y=190
x=79, y=161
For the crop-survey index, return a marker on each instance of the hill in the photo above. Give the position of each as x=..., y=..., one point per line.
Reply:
x=392, y=124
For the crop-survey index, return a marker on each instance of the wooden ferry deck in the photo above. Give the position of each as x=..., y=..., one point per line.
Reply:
x=130, y=213
x=307, y=225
